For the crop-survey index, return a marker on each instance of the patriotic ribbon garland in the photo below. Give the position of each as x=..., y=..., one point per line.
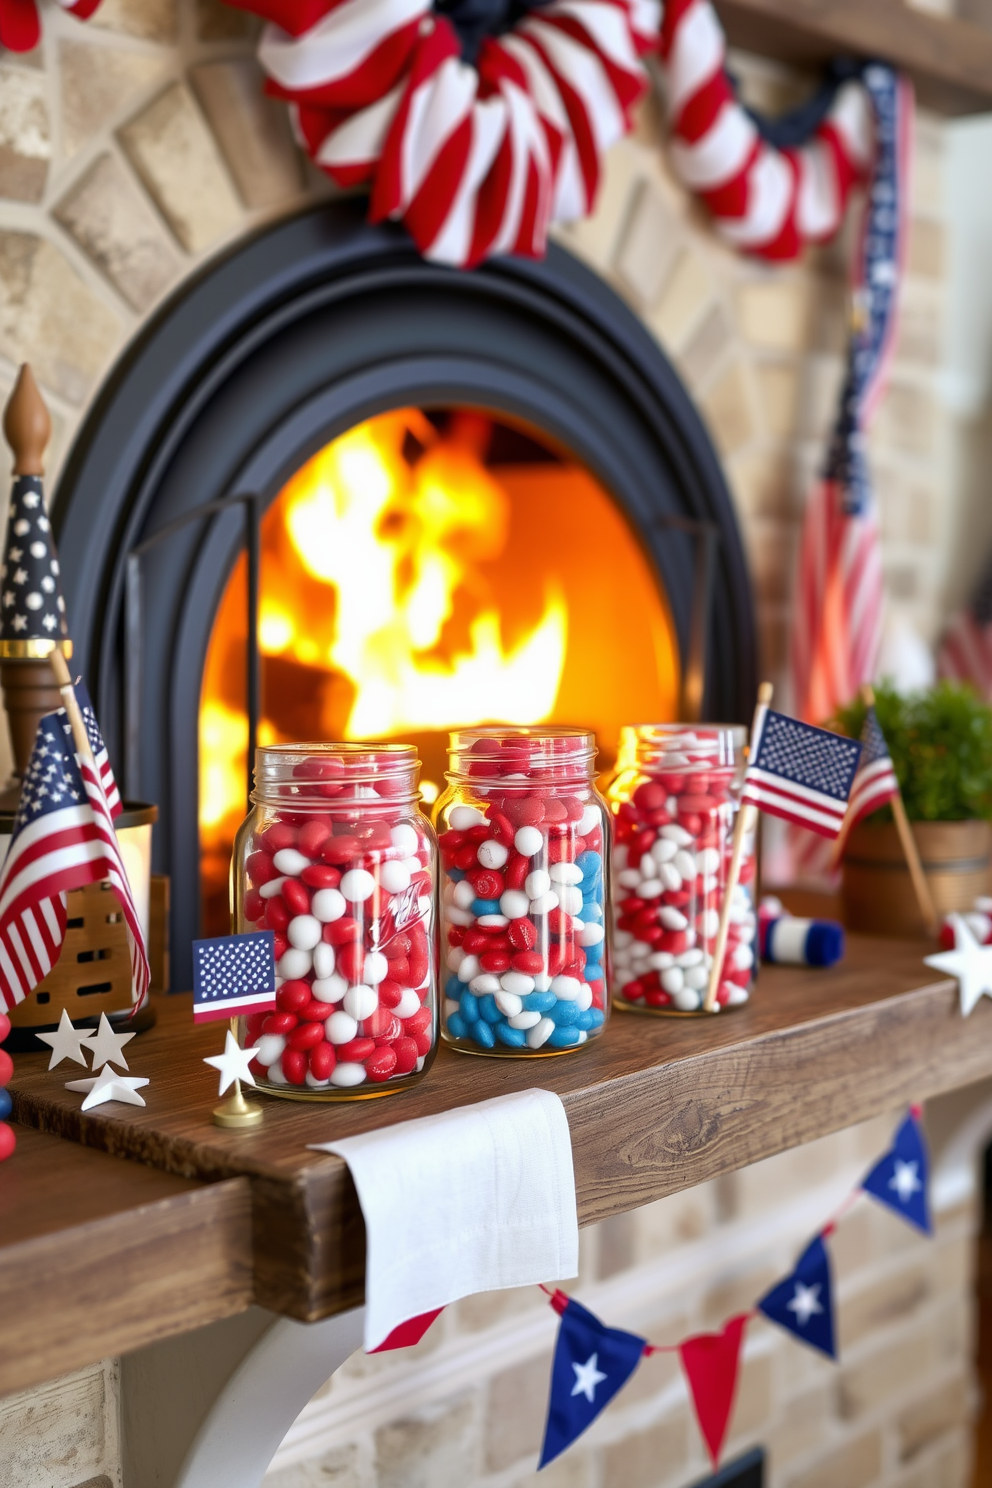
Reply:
x=20, y=23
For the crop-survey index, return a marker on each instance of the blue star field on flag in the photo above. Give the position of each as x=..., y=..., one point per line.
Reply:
x=233, y=975
x=801, y=773
x=899, y=1179
x=803, y=1303
x=591, y=1363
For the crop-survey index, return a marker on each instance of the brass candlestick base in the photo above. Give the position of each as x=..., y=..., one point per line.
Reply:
x=236, y=1112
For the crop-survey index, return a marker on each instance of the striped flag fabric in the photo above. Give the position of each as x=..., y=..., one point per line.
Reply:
x=99, y=748
x=234, y=975
x=875, y=782
x=800, y=773
x=63, y=839
x=965, y=653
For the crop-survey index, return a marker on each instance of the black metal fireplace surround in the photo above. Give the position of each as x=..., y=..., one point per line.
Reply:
x=293, y=337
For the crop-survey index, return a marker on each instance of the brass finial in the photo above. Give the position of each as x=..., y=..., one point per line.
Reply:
x=27, y=425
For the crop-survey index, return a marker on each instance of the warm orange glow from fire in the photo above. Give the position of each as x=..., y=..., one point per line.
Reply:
x=408, y=586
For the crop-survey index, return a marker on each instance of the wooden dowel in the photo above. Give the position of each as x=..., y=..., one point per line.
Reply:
x=908, y=843
x=79, y=735
x=747, y=817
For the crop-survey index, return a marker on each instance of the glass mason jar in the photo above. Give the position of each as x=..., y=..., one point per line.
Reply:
x=675, y=797
x=524, y=839
x=338, y=861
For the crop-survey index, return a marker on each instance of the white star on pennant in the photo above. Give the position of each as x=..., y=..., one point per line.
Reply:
x=905, y=1180
x=107, y=1046
x=587, y=1377
x=109, y=1086
x=67, y=1042
x=806, y=1303
x=233, y=1063
x=969, y=962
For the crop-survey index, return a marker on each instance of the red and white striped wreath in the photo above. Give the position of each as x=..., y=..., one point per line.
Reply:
x=477, y=123
x=20, y=24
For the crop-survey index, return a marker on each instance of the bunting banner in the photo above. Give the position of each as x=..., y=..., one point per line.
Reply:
x=803, y=1303
x=899, y=1180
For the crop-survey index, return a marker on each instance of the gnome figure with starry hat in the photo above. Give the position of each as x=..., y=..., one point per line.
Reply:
x=32, y=608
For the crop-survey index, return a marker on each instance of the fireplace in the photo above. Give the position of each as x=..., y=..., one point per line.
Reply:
x=332, y=489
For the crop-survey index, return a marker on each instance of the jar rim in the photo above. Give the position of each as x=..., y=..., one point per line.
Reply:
x=344, y=772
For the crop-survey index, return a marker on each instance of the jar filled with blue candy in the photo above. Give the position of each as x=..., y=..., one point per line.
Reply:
x=524, y=842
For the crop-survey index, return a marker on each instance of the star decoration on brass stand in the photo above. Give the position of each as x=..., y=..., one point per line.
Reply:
x=232, y=1064
x=969, y=962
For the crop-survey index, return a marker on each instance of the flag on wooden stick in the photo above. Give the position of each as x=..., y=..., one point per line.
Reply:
x=800, y=773
x=875, y=782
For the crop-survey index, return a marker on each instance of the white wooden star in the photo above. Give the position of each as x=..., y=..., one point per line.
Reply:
x=806, y=1302
x=67, y=1042
x=970, y=962
x=233, y=1063
x=107, y=1046
x=109, y=1086
x=587, y=1377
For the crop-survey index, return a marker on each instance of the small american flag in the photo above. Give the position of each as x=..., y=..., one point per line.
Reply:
x=875, y=782
x=99, y=748
x=801, y=773
x=63, y=839
x=233, y=974
x=966, y=650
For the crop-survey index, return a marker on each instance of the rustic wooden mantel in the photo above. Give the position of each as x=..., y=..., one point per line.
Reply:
x=99, y=1255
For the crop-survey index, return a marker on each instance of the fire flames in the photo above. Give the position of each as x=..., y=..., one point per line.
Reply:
x=407, y=586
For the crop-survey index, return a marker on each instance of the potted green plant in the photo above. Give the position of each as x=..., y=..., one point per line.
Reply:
x=940, y=741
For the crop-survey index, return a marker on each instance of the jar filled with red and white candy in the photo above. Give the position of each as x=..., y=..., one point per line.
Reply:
x=337, y=860
x=674, y=797
x=523, y=837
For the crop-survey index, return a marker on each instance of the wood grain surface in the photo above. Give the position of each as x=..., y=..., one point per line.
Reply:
x=654, y=1106
x=99, y=1256
x=949, y=60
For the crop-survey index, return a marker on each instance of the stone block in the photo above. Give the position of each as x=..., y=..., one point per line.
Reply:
x=25, y=135
x=805, y=1423
x=113, y=223
x=98, y=85
x=727, y=406
x=437, y=1447
x=753, y=1403
x=344, y=1467
x=648, y=244
x=853, y=1465
x=938, y=1409
x=927, y=253
x=920, y=325
x=516, y=1409
x=216, y=21
x=686, y=295
x=819, y=394
x=954, y=1264
x=885, y=1373
x=775, y=313
x=778, y=396
x=732, y=1294
x=253, y=132
x=576, y=1469
x=48, y=316
x=676, y=1220
x=616, y=1238
x=887, y=1299
x=706, y=347
x=595, y=237
x=152, y=20
x=906, y=419
x=61, y=1433
x=763, y=482
x=647, y=1458
x=474, y=1314
x=176, y=156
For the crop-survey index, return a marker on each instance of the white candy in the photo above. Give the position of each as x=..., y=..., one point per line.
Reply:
x=324, y=960
x=455, y=958
x=408, y=1004
x=412, y=865
x=464, y=817
x=537, y=883
x=708, y=860
x=357, y=885
x=591, y=935
x=328, y=905
x=621, y=938
x=508, y=1003
x=584, y=1000
x=640, y=950
x=589, y=821
x=674, y=833
x=493, y=922
x=672, y=918
x=687, y=1001
x=524, y=1020
x=329, y=989
x=340, y=1028
x=566, y=873
x=272, y=888
x=545, y=904
x=514, y=904
x=375, y=968
x=664, y=850
x=629, y=878
x=528, y=841
x=735, y=995
x=542, y=982
x=394, y=877
x=485, y=982
x=650, y=888
x=461, y=916
x=288, y=860
x=566, y=988
x=275, y=1073
x=304, y=932
x=360, y=1001
x=708, y=923
x=685, y=863
x=661, y=960
x=673, y=980
x=313, y=1082
x=694, y=957
x=540, y=1033
x=347, y=1074
x=294, y=964
x=743, y=958
x=464, y=895
x=570, y=899
x=670, y=877
x=696, y=977
x=517, y=982
x=469, y=969
x=492, y=854
x=269, y=1048
x=404, y=839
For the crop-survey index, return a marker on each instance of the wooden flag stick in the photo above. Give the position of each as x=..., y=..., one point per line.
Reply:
x=747, y=818
x=73, y=712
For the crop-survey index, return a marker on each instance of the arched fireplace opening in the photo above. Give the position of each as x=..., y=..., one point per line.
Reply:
x=209, y=480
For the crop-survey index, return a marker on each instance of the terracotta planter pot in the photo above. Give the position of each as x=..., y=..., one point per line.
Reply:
x=877, y=892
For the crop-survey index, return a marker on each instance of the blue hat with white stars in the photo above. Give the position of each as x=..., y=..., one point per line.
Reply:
x=32, y=606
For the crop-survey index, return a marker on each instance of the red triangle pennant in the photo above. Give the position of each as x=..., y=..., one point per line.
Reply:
x=710, y=1362
x=408, y=1333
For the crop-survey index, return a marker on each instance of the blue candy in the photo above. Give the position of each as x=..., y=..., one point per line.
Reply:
x=591, y=910
x=564, y=1038
x=457, y=1027
x=485, y=906
x=456, y=874
x=453, y=988
x=564, y=1013
x=591, y=864
x=538, y=1002
x=6, y=1104
x=515, y=1038
x=483, y=1034
x=468, y=1006
x=591, y=1018
x=594, y=955
x=488, y=1008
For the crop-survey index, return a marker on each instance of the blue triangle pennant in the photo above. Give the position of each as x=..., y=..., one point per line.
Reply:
x=803, y=1303
x=899, y=1179
x=591, y=1363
